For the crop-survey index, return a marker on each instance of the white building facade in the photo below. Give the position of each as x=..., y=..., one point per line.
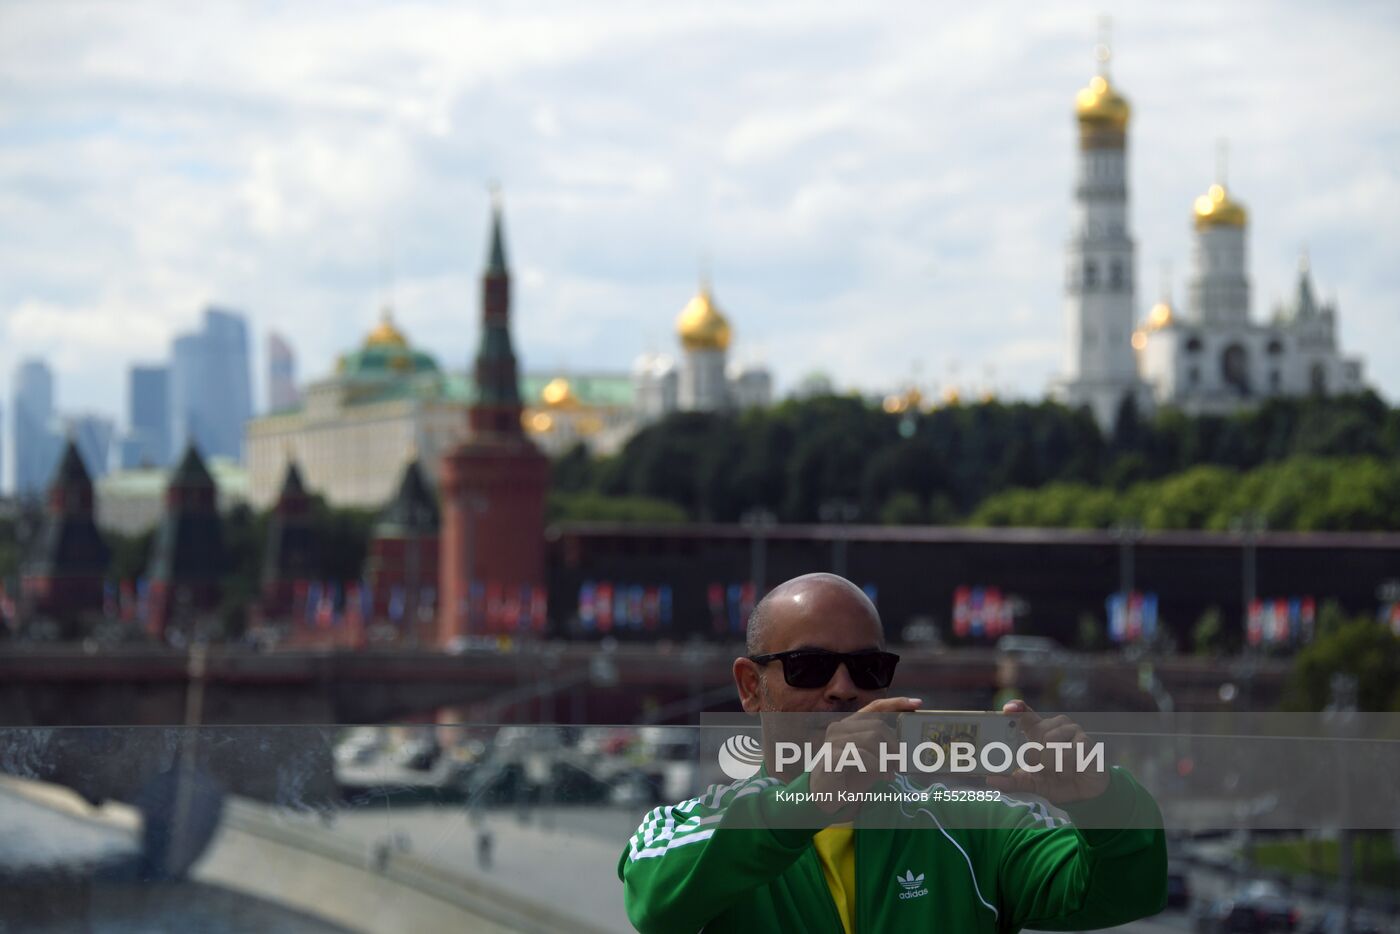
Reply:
x=1216, y=359
x=1213, y=359
x=355, y=431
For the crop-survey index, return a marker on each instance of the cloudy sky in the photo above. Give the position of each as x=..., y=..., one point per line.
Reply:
x=883, y=189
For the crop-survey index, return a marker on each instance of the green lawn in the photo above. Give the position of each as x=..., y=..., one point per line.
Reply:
x=1373, y=856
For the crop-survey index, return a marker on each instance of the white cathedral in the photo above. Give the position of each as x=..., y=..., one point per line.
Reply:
x=1211, y=359
x=705, y=380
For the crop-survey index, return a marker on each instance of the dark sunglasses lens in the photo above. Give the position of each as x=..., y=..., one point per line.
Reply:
x=873, y=671
x=870, y=672
x=812, y=670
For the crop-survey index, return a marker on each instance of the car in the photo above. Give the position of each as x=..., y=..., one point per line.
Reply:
x=419, y=754
x=1330, y=922
x=1259, y=907
x=361, y=746
x=1178, y=889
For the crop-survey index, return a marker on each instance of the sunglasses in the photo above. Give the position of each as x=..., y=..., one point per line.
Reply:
x=813, y=668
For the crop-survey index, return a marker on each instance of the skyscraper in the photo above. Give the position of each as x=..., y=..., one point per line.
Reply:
x=36, y=442
x=148, y=416
x=281, y=374
x=92, y=434
x=210, y=389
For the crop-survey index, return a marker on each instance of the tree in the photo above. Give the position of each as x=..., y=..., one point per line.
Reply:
x=1089, y=633
x=1127, y=425
x=1188, y=499
x=1208, y=635
x=1171, y=471
x=594, y=507
x=574, y=471
x=344, y=535
x=1363, y=648
x=130, y=554
x=902, y=508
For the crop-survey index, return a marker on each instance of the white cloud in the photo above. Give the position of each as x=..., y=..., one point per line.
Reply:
x=874, y=188
x=75, y=337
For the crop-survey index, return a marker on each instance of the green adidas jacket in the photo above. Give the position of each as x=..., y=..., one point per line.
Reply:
x=684, y=871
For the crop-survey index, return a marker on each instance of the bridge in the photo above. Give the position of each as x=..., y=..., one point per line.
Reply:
x=551, y=682
x=179, y=778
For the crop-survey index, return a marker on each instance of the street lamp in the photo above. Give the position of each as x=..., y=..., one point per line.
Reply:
x=1248, y=526
x=838, y=512
x=758, y=520
x=1126, y=534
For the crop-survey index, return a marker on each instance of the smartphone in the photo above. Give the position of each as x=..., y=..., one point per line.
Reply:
x=945, y=727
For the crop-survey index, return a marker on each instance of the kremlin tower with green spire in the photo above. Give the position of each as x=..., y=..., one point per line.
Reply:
x=493, y=485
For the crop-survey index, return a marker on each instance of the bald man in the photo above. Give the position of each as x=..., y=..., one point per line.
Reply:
x=743, y=857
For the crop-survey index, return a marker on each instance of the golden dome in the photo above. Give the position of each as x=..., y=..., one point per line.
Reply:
x=385, y=334
x=1139, y=339
x=558, y=394
x=1216, y=208
x=539, y=423
x=911, y=400
x=1161, y=316
x=1101, y=107
x=702, y=326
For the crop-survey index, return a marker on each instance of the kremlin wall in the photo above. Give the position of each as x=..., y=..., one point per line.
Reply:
x=457, y=469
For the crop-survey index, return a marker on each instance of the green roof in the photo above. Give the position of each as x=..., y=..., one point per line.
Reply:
x=380, y=361
x=593, y=389
x=613, y=390
x=230, y=479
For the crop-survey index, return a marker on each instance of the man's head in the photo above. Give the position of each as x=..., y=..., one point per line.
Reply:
x=815, y=611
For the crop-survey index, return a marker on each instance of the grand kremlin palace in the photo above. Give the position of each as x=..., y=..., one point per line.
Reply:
x=388, y=402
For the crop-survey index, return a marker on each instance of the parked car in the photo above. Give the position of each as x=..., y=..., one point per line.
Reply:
x=361, y=746
x=1257, y=908
x=1178, y=889
x=1330, y=922
x=419, y=754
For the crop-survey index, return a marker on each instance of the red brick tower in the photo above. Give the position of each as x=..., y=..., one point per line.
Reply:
x=293, y=550
x=188, y=558
x=493, y=485
x=403, y=555
x=65, y=580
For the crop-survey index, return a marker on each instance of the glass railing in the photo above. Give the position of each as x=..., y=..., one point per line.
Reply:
x=521, y=828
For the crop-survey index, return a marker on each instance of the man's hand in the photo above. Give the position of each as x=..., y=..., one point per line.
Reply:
x=1063, y=787
x=865, y=730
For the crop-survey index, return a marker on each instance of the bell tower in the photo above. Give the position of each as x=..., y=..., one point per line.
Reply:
x=1099, y=272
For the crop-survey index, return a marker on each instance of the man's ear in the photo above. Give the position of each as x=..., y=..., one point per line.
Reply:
x=746, y=678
